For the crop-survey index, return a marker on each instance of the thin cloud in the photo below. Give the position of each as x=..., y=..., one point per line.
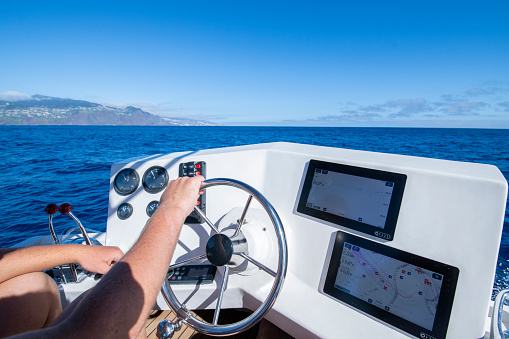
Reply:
x=14, y=96
x=373, y=109
x=475, y=92
x=395, y=109
x=409, y=107
x=351, y=116
x=464, y=108
x=357, y=116
x=488, y=89
x=450, y=98
x=505, y=105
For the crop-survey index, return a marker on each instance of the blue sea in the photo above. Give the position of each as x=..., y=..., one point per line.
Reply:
x=56, y=164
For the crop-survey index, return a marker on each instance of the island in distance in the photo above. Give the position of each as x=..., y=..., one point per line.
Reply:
x=44, y=110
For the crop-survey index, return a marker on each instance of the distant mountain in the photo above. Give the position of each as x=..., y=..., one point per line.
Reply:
x=44, y=110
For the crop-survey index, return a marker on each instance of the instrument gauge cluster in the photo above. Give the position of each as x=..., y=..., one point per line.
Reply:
x=155, y=179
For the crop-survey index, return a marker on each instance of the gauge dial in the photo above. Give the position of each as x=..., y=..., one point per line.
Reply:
x=124, y=211
x=151, y=207
x=126, y=181
x=155, y=179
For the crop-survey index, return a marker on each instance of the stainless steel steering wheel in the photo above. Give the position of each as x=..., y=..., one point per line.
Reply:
x=219, y=251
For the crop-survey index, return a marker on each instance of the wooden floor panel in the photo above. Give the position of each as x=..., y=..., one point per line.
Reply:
x=226, y=316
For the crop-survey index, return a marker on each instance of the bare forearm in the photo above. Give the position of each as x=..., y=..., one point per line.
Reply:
x=18, y=261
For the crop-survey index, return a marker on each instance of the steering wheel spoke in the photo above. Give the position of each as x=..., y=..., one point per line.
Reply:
x=258, y=264
x=207, y=220
x=243, y=216
x=224, y=283
x=188, y=261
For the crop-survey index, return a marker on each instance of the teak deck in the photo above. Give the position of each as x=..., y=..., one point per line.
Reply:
x=226, y=316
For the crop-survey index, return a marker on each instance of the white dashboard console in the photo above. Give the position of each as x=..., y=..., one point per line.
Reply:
x=379, y=245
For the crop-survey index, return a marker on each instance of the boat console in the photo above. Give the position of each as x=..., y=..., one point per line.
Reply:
x=377, y=245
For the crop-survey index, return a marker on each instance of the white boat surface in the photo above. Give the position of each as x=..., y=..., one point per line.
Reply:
x=416, y=239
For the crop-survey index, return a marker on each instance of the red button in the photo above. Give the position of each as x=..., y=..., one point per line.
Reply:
x=198, y=203
x=198, y=173
x=198, y=166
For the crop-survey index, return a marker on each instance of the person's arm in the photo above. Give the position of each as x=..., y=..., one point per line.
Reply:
x=17, y=261
x=119, y=304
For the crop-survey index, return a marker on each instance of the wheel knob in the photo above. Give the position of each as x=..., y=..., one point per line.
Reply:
x=65, y=208
x=166, y=329
x=51, y=209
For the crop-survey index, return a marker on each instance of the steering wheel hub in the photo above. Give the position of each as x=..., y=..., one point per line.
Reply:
x=219, y=249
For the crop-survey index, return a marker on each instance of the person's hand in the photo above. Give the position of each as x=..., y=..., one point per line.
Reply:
x=98, y=259
x=180, y=197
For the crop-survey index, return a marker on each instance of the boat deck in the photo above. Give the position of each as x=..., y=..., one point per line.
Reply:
x=226, y=316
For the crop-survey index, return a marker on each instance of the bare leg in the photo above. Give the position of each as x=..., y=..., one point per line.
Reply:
x=69, y=309
x=28, y=302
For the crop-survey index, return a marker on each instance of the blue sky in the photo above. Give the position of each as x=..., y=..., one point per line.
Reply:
x=321, y=63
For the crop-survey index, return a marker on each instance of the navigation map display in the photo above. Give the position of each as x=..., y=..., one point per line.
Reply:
x=363, y=199
x=340, y=194
x=410, y=292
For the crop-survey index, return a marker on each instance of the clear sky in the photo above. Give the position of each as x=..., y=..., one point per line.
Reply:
x=313, y=63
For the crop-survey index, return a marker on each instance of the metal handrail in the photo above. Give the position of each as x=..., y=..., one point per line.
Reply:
x=496, y=331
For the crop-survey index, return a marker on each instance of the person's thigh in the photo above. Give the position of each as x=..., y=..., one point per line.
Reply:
x=28, y=302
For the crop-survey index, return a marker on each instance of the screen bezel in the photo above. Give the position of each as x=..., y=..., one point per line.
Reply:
x=398, y=179
x=450, y=278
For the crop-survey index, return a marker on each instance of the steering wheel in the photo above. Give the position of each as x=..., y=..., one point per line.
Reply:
x=219, y=250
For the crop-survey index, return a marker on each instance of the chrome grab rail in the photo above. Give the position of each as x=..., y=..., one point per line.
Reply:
x=496, y=330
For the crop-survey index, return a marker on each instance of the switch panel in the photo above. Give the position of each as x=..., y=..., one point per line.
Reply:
x=191, y=169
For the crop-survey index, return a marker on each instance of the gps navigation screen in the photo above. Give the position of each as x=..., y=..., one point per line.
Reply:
x=364, y=199
x=356, y=198
x=408, y=291
x=405, y=290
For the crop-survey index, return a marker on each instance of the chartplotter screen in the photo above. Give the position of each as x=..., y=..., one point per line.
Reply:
x=410, y=292
x=363, y=199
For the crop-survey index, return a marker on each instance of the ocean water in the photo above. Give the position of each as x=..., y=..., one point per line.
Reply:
x=56, y=164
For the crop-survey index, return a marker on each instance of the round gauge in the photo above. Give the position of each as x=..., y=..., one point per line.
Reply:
x=124, y=211
x=126, y=181
x=155, y=179
x=151, y=208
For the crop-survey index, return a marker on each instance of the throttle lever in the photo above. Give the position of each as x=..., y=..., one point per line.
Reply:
x=51, y=209
x=66, y=208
